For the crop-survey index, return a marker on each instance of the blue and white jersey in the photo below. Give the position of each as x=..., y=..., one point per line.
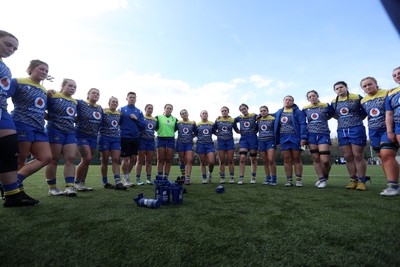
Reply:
x=30, y=102
x=266, y=128
x=223, y=128
x=247, y=124
x=89, y=118
x=110, y=123
x=393, y=104
x=5, y=82
x=317, y=117
x=348, y=111
x=149, y=129
x=61, y=112
x=186, y=131
x=204, y=132
x=286, y=122
x=374, y=106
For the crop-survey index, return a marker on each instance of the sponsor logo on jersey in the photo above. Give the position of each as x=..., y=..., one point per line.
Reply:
x=206, y=131
x=264, y=127
x=284, y=119
x=114, y=123
x=39, y=102
x=344, y=111
x=185, y=130
x=150, y=126
x=70, y=111
x=314, y=116
x=374, y=112
x=5, y=83
x=224, y=128
x=246, y=124
x=96, y=115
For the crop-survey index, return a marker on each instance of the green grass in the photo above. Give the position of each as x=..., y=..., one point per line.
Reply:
x=248, y=225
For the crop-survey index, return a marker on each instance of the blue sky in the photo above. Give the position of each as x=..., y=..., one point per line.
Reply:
x=204, y=54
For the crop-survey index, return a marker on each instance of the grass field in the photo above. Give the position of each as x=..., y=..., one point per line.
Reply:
x=248, y=225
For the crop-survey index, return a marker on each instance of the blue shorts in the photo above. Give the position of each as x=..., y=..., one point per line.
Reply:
x=248, y=141
x=355, y=135
x=266, y=145
x=6, y=122
x=147, y=145
x=290, y=142
x=376, y=137
x=319, y=139
x=57, y=137
x=27, y=133
x=85, y=140
x=107, y=143
x=204, y=148
x=166, y=142
x=182, y=147
x=225, y=145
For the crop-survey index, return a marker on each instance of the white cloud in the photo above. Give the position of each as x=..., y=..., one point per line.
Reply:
x=238, y=81
x=259, y=81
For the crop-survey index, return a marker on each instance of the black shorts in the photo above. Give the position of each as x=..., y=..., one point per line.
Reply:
x=129, y=147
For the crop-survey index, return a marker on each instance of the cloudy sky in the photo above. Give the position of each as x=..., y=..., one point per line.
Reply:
x=204, y=54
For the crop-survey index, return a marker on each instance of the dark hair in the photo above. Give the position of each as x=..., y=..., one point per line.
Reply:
x=337, y=97
x=339, y=82
x=264, y=107
x=243, y=105
x=290, y=97
x=131, y=93
x=7, y=34
x=312, y=91
x=145, y=107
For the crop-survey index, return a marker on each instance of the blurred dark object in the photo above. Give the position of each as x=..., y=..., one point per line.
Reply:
x=392, y=8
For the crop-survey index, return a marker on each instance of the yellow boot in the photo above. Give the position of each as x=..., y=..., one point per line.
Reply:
x=353, y=184
x=361, y=186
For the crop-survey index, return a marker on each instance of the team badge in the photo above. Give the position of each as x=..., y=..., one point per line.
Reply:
x=185, y=130
x=344, y=111
x=315, y=116
x=150, y=126
x=264, y=127
x=96, y=115
x=224, y=129
x=114, y=123
x=374, y=112
x=168, y=122
x=246, y=124
x=39, y=102
x=5, y=83
x=284, y=119
x=70, y=111
x=206, y=131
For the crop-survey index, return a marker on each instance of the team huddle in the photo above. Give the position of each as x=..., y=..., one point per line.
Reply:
x=128, y=133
